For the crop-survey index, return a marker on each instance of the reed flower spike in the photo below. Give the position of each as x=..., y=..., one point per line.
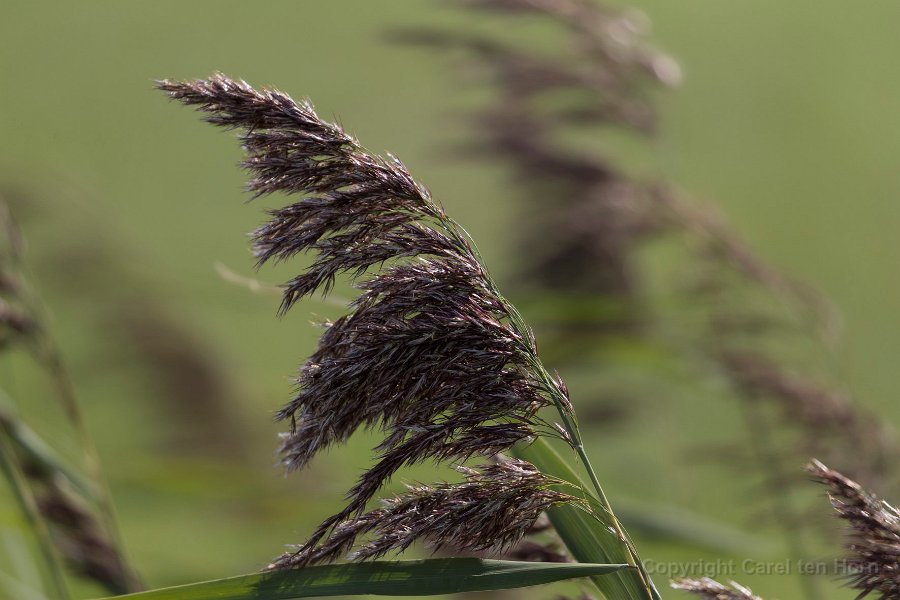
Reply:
x=713, y=590
x=874, y=533
x=492, y=510
x=431, y=353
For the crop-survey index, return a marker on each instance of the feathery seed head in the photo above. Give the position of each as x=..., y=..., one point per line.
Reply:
x=874, y=533
x=491, y=510
x=430, y=353
x=713, y=590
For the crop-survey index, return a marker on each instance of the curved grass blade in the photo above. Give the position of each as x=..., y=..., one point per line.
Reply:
x=387, y=578
x=588, y=539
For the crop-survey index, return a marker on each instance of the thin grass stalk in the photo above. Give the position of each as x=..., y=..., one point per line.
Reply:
x=572, y=431
x=570, y=526
x=574, y=434
x=574, y=438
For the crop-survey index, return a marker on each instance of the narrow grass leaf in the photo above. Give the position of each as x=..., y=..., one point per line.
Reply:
x=588, y=539
x=386, y=578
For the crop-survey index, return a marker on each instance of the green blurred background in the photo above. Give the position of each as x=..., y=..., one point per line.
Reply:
x=785, y=120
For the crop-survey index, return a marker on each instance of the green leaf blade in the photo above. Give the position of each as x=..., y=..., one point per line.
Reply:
x=587, y=539
x=389, y=578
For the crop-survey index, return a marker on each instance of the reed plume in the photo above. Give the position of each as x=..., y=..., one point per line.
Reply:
x=713, y=590
x=431, y=353
x=873, y=541
x=492, y=510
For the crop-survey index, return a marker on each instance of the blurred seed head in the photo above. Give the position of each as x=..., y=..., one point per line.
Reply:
x=610, y=71
x=13, y=323
x=832, y=423
x=80, y=538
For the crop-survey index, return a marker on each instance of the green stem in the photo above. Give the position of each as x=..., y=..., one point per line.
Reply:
x=570, y=424
x=562, y=404
x=633, y=558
